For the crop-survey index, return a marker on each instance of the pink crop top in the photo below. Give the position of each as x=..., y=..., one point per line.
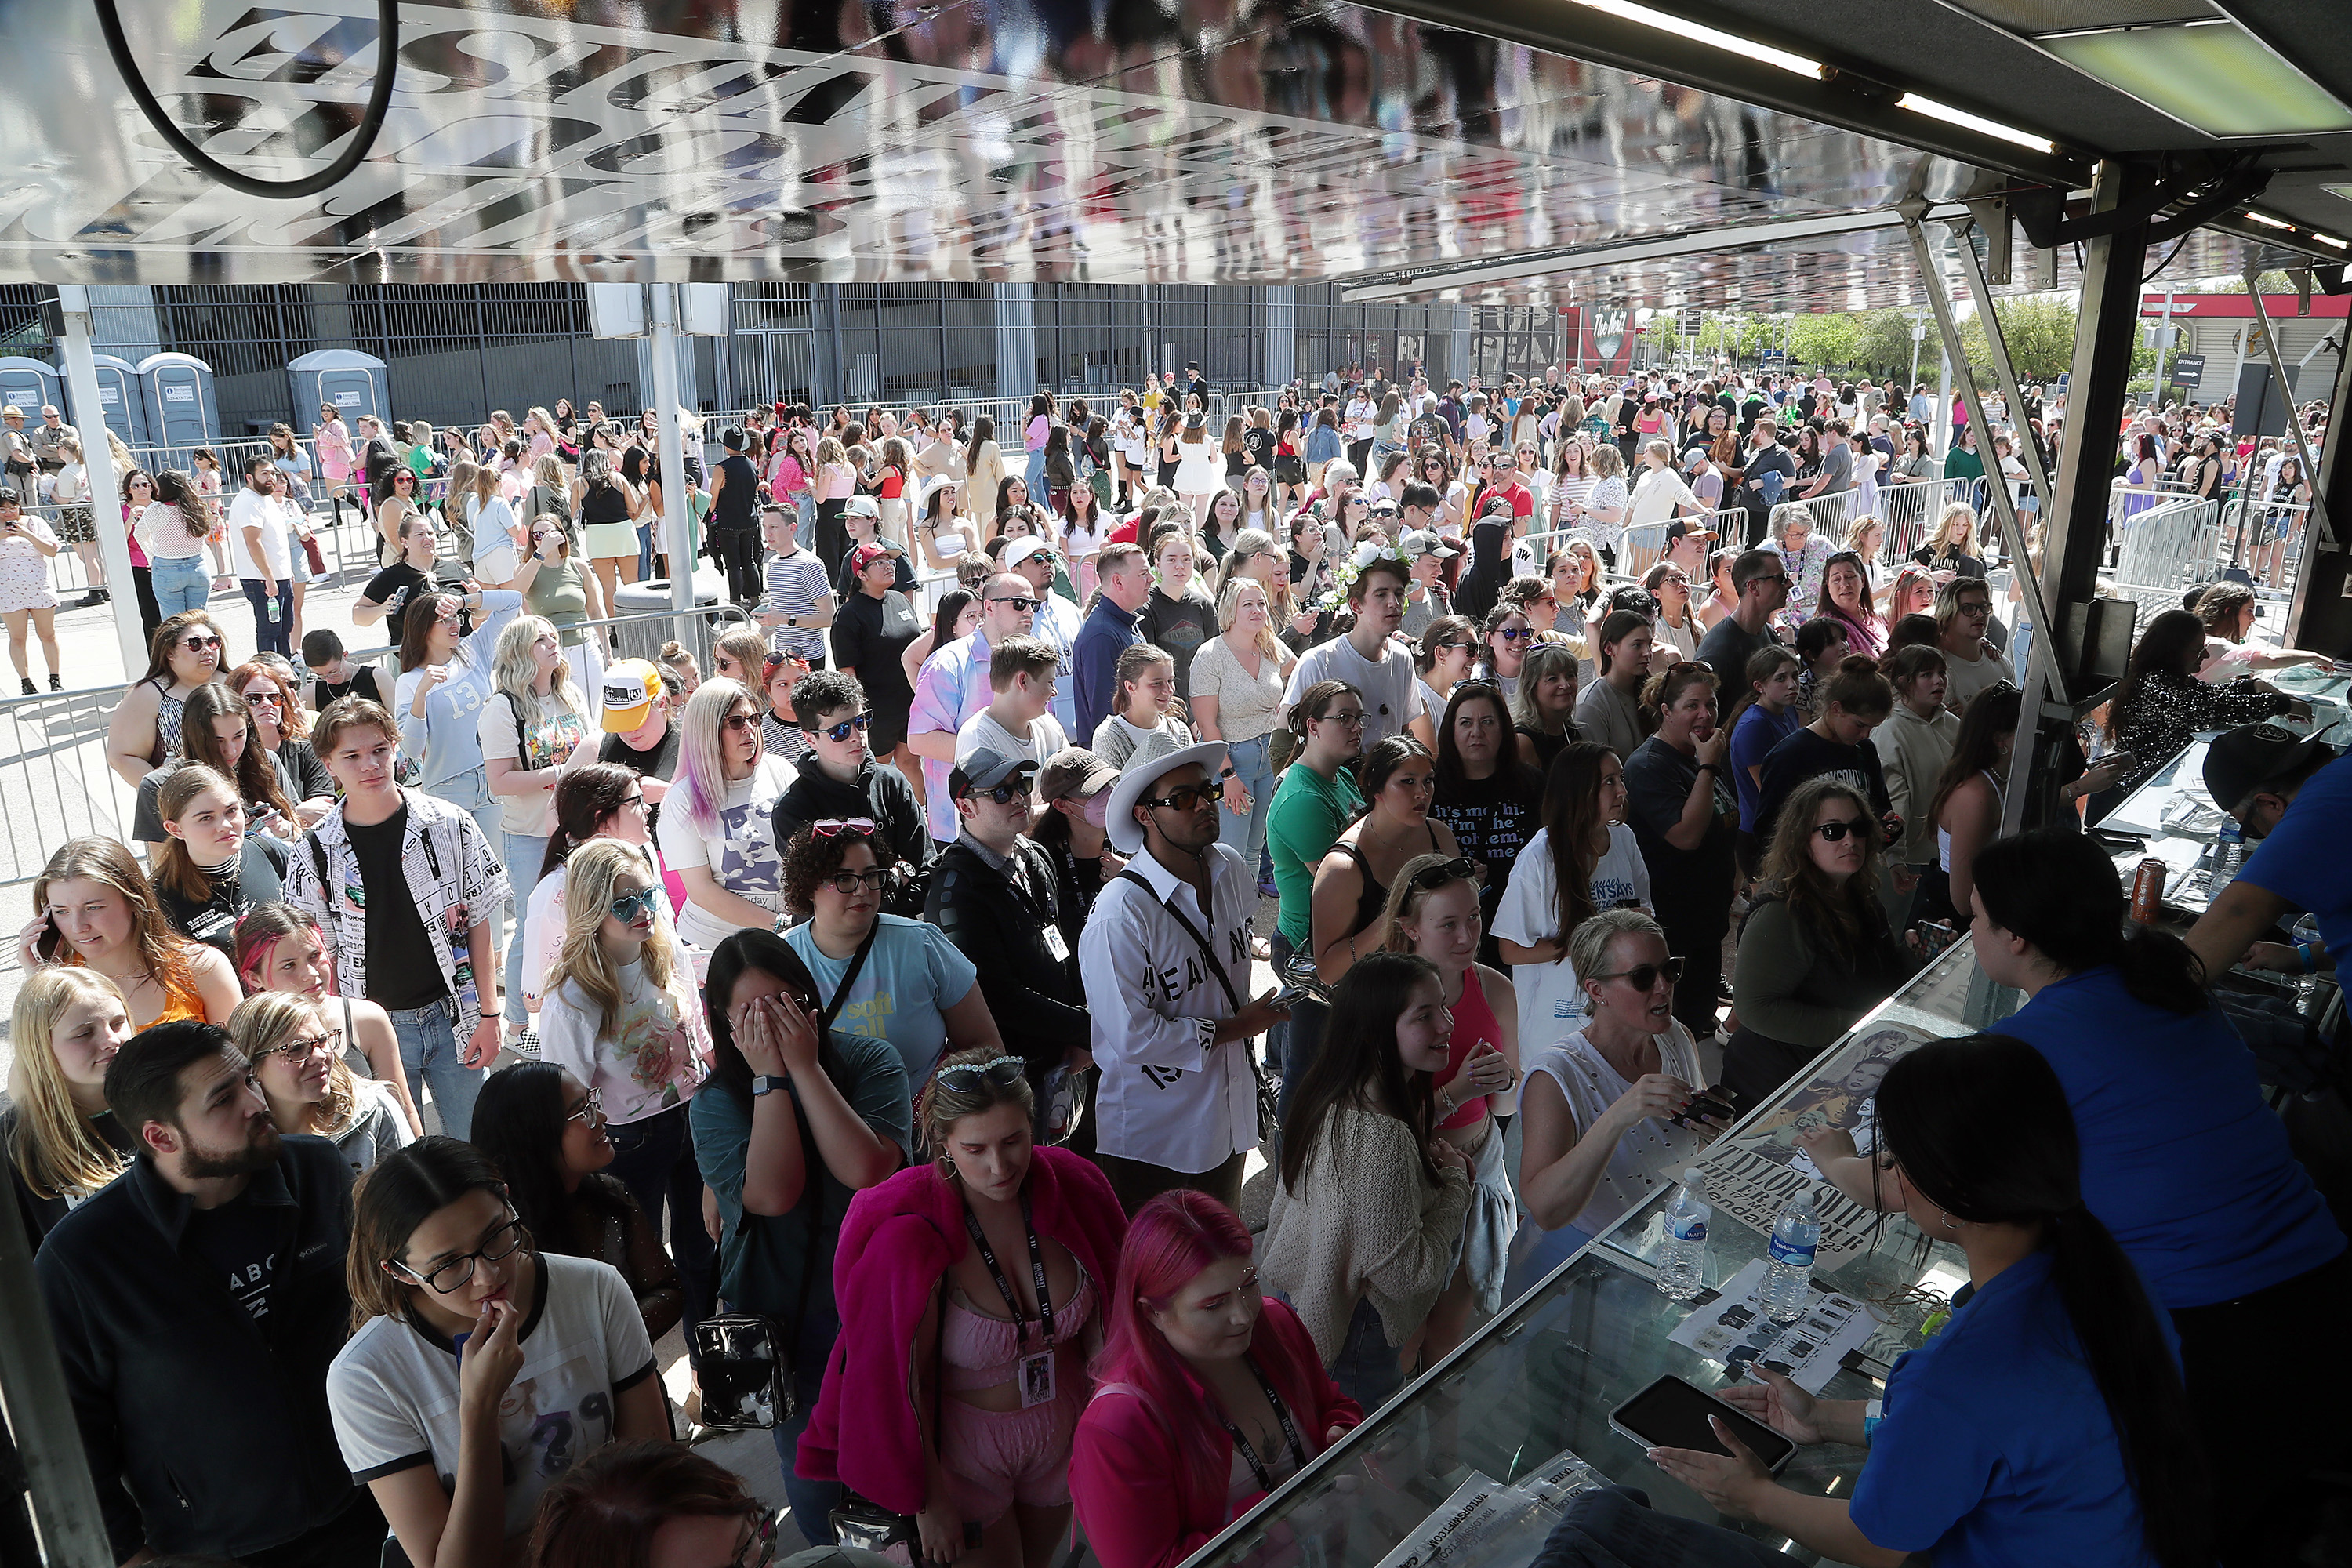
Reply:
x=977, y=1351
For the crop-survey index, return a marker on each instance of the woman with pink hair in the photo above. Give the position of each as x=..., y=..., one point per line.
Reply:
x=1208, y=1396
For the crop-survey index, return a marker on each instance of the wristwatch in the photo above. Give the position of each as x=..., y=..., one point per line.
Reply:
x=792, y=620
x=765, y=1083
x=1708, y=768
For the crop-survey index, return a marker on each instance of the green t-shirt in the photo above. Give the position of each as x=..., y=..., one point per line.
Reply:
x=763, y=1258
x=1308, y=813
x=1960, y=463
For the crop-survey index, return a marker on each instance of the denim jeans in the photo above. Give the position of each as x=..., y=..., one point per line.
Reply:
x=522, y=853
x=1254, y=767
x=1367, y=1369
x=268, y=635
x=653, y=1158
x=812, y=1501
x=181, y=585
x=469, y=792
x=428, y=1059
x=1034, y=476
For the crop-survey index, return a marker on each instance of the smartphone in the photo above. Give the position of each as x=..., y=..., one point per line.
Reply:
x=1292, y=995
x=1672, y=1413
x=1935, y=936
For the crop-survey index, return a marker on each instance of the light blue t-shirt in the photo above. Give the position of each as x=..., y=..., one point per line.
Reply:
x=1997, y=1451
x=912, y=977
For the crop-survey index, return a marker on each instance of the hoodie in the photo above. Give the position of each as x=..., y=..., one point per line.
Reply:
x=879, y=792
x=1912, y=752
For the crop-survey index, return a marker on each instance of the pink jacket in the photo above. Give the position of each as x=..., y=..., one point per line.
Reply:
x=896, y=1241
x=1127, y=1474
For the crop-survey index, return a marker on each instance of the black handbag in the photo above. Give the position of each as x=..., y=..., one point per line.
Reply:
x=1268, y=1117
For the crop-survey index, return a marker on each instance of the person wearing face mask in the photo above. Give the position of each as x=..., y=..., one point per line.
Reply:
x=1211, y=1395
x=211, y=1270
x=1073, y=788
x=1816, y=951
x=60, y=1140
x=973, y=1293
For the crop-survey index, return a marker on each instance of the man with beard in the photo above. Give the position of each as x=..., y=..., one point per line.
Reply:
x=197, y=1300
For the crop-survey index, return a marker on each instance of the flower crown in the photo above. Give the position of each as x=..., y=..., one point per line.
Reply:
x=1344, y=575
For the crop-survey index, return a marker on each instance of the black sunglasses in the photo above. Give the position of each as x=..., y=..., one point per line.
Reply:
x=1184, y=797
x=1459, y=870
x=1003, y=794
x=1645, y=975
x=1833, y=831
x=843, y=731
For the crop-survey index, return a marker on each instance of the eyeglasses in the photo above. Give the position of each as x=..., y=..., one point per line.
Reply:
x=1002, y=1071
x=199, y=645
x=834, y=827
x=1354, y=721
x=1186, y=797
x=295, y=1049
x=591, y=1111
x=1461, y=868
x=1643, y=976
x=452, y=1273
x=758, y=1548
x=1019, y=604
x=1973, y=611
x=846, y=883
x=847, y=727
x=739, y=723
x=1833, y=831
x=628, y=907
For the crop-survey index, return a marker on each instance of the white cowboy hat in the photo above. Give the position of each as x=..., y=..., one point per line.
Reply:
x=1125, y=833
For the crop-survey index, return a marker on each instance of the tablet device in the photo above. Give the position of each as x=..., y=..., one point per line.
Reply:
x=1672, y=1413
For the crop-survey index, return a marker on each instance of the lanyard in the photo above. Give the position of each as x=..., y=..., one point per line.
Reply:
x=1004, y=1285
x=1281, y=1414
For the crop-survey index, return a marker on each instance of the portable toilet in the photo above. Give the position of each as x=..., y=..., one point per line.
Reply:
x=183, y=409
x=28, y=384
x=354, y=382
x=120, y=400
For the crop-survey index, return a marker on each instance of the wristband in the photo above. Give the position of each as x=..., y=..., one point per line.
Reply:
x=1872, y=1416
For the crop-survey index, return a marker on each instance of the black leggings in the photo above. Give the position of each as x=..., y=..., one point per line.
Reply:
x=738, y=549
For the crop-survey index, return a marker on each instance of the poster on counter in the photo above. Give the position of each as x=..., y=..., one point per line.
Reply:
x=1750, y=1174
x=1733, y=1330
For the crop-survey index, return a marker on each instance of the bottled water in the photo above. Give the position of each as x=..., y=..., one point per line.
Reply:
x=1682, y=1268
x=2307, y=986
x=2229, y=857
x=1795, y=1234
x=276, y=610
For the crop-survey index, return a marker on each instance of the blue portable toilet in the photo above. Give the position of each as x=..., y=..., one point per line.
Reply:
x=183, y=409
x=354, y=382
x=28, y=384
x=120, y=400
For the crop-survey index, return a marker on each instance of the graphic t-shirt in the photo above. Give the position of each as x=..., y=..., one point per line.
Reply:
x=239, y=1239
x=911, y=977
x=393, y=1387
x=1550, y=1003
x=1491, y=818
x=544, y=742
x=650, y=1058
x=741, y=857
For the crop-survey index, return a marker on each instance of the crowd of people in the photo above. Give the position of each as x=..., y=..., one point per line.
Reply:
x=892, y=985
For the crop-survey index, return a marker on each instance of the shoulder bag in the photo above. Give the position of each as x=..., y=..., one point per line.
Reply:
x=1268, y=1119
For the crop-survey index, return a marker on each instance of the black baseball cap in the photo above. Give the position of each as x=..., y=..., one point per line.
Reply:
x=2242, y=759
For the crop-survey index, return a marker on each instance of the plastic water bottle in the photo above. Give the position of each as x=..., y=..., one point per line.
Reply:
x=1787, y=1284
x=2229, y=857
x=1682, y=1268
x=2307, y=986
x=276, y=610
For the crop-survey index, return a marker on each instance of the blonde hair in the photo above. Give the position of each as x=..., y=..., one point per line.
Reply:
x=1605, y=461
x=1937, y=545
x=941, y=1105
x=55, y=1149
x=547, y=469
x=265, y=1019
x=514, y=670
x=588, y=879
x=1860, y=526
x=1405, y=897
x=1229, y=606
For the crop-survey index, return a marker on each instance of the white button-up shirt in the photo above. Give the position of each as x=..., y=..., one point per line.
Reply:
x=1169, y=1096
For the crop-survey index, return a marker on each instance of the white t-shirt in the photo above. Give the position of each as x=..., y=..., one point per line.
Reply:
x=1550, y=1004
x=1392, y=690
x=392, y=1389
x=650, y=1058
x=1651, y=1154
x=544, y=916
x=252, y=508
x=743, y=859
x=982, y=733
x=551, y=738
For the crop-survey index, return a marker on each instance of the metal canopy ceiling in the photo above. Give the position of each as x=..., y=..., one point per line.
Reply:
x=1208, y=142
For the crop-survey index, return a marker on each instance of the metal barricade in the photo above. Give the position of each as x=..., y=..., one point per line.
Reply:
x=2165, y=549
x=53, y=774
x=1639, y=545
x=1910, y=512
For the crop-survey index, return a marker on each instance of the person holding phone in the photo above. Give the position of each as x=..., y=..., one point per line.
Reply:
x=2046, y=1422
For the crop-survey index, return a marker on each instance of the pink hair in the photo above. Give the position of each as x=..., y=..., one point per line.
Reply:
x=1168, y=1242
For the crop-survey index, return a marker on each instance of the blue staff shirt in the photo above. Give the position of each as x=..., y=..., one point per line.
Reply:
x=2302, y=860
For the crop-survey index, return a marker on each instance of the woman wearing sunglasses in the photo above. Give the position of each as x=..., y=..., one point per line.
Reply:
x=1504, y=638
x=435, y=1381
x=1446, y=652
x=620, y=1015
x=796, y=1119
x=187, y=651
x=1612, y=1109
x=988, y=1264
x=294, y=1054
x=545, y=1130
x=1432, y=913
x=714, y=830
x=1816, y=951
x=909, y=986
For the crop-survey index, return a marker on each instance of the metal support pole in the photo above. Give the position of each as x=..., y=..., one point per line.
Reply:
x=105, y=484
x=2163, y=342
x=40, y=1414
x=1980, y=291
x=1940, y=421
x=2323, y=536
x=2319, y=616
x=2049, y=678
x=676, y=507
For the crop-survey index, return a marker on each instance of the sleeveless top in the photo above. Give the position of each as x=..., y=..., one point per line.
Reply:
x=734, y=507
x=1943, y=834
x=1375, y=896
x=182, y=1001
x=1474, y=1020
x=603, y=503
x=978, y=1350
x=168, y=712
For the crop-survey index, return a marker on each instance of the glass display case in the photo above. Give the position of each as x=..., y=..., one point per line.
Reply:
x=1455, y=1470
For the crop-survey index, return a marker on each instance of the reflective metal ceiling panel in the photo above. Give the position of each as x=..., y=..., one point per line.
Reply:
x=1202, y=141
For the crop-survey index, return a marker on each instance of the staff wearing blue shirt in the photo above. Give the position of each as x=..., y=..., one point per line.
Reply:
x=2184, y=1162
x=2046, y=1422
x=2294, y=795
